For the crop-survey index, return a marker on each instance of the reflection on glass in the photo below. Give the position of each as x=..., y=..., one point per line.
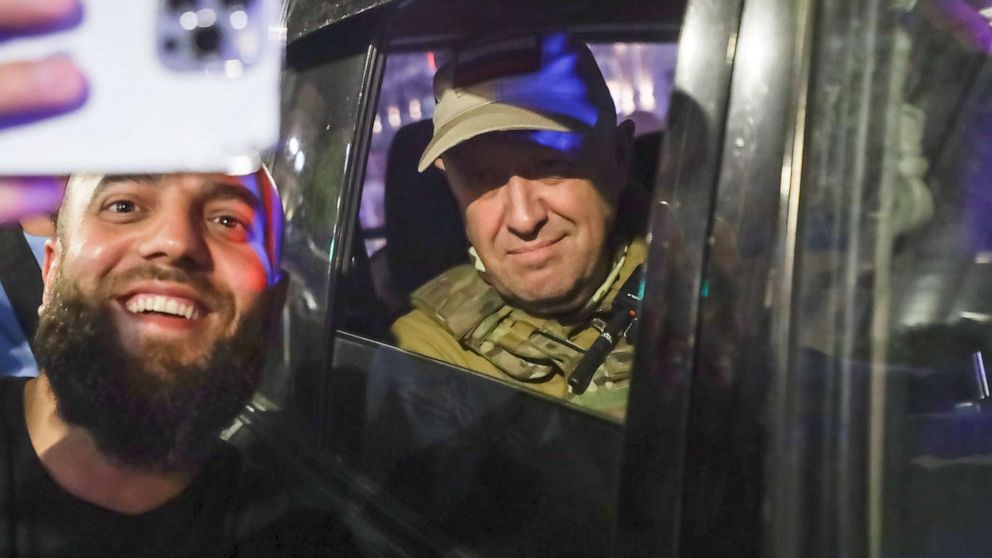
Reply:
x=318, y=125
x=895, y=296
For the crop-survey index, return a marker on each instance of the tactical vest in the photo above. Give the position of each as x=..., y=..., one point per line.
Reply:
x=528, y=348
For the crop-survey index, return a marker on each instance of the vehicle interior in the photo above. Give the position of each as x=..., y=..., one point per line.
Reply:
x=806, y=315
x=810, y=376
x=473, y=461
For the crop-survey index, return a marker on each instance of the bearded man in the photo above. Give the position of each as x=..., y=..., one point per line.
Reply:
x=160, y=293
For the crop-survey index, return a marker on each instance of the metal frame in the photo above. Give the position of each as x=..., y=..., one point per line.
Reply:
x=304, y=17
x=651, y=498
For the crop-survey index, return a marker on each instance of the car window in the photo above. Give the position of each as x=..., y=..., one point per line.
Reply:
x=826, y=393
x=489, y=465
x=321, y=121
x=411, y=225
x=863, y=341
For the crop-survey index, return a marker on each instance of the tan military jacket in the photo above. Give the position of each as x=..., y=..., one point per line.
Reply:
x=460, y=319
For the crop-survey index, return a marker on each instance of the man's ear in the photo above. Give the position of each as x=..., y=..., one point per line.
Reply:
x=50, y=269
x=439, y=164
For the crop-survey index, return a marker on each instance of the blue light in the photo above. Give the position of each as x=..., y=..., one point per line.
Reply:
x=561, y=90
x=569, y=143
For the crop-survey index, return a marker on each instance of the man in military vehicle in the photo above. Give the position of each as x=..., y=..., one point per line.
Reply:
x=526, y=131
x=159, y=295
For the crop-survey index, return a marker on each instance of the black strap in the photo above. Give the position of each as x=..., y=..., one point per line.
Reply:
x=20, y=276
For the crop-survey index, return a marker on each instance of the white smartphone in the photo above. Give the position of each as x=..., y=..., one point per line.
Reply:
x=174, y=85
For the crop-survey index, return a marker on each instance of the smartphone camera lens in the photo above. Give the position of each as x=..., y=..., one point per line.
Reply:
x=207, y=41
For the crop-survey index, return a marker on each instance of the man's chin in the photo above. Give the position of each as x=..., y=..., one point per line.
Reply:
x=158, y=407
x=545, y=302
x=162, y=359
x=184, y=340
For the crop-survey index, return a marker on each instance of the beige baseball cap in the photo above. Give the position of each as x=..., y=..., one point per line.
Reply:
x=549, y=82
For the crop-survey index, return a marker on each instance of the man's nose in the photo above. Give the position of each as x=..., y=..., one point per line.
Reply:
x=525, y=210
x=177, y=239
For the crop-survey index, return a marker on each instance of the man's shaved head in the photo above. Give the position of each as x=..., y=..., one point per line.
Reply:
x=77, y=184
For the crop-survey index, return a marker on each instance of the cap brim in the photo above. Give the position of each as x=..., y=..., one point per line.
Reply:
x=492, y=117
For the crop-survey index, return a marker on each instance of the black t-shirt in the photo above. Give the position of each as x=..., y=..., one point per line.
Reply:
x=228, y=510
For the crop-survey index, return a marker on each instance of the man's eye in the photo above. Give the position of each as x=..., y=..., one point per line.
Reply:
x=123, y=206
x=229, y=222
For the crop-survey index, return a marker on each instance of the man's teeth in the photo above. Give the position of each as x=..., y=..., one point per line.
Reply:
x=162, y=305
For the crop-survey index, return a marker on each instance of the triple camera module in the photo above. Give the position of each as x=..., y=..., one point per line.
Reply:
x=216, y=36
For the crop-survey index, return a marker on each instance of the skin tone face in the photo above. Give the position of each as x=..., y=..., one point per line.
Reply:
x=177, y=259
x=539, y=207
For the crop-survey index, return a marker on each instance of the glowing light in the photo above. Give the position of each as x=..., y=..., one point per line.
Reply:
x=233, y=69
x=614, y=87
x=627, y=104
x=299, y=161
x=242, y=165
x=248, y=46
x=188, y=21
x=415, y=112
x=238, y=19
x=393, y=115
x=377, y=125
x=645, y=93
x=277, y=33
x=566, y=142
x=206, y=18
x=294, y=145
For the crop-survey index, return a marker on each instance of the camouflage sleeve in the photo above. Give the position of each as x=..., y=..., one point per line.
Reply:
x=417, y=333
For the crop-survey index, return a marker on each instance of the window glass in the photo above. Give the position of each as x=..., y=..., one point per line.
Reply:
x=893, y=307
x=320, y=123
x=483, y=468
x=477, y=464
x=412, y=224
x=639, y=76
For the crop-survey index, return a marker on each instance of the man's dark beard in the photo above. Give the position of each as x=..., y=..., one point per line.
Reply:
x=161, y=422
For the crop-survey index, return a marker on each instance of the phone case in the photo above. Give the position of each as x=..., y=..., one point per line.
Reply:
x=174, y=85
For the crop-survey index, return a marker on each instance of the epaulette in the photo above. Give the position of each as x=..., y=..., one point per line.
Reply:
x=458, y=299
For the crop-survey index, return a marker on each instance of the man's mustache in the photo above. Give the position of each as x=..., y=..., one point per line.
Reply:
x=118, y=284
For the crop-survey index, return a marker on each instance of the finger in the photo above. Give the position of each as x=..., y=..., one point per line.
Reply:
x=25, y=197
x=47, y=84
x=27, y=14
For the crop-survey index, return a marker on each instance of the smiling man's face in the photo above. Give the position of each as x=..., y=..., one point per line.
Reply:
x=177, y=260
x=539, y=208
x=160, y=293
